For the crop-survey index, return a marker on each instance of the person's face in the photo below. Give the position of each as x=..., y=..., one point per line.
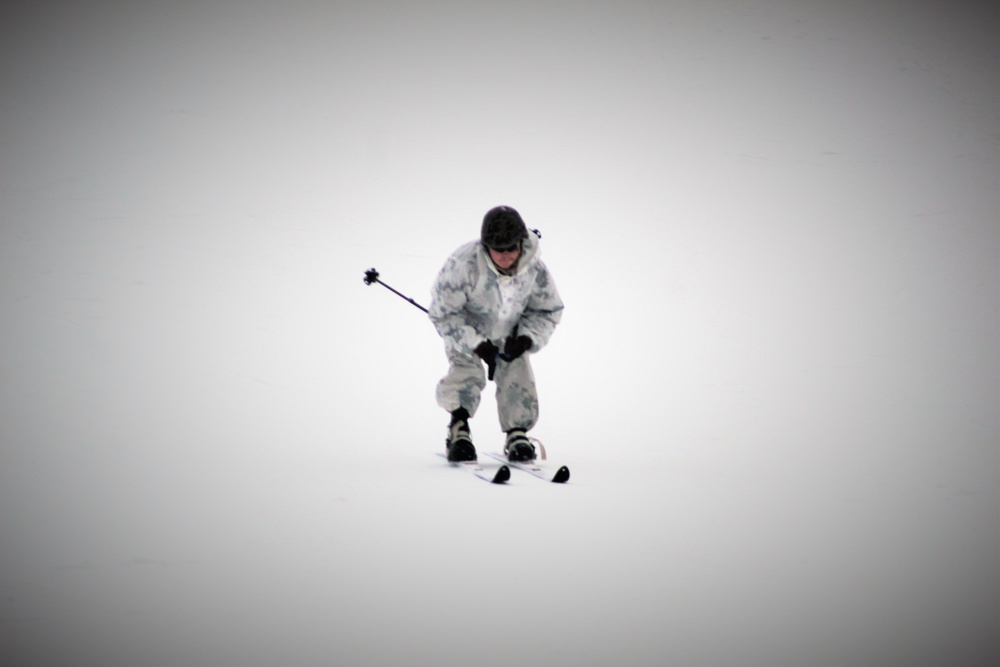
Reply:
x=505, y=257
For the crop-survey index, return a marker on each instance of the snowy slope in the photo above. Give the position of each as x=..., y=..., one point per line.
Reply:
x=776, y=228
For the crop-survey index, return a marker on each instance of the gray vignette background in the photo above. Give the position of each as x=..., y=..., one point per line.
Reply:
x=776, y=227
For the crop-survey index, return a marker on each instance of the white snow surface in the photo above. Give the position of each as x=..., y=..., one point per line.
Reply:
x=776, y=228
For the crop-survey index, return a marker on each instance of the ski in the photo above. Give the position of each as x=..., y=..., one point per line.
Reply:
x=561, y=476
x=500, y=476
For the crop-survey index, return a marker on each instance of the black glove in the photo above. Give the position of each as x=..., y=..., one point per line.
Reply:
x=487, y=351
x=514, y=347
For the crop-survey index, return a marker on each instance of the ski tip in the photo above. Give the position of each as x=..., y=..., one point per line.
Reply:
x=503, y=474
x=562, y=475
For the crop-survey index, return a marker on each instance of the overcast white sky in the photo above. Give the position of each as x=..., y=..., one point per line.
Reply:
x=776, y=228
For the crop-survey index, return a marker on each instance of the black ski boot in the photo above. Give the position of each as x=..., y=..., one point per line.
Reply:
x=459, y=442
x=518, y=448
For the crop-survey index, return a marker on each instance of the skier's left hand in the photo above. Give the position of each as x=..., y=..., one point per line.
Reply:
x=514, y=347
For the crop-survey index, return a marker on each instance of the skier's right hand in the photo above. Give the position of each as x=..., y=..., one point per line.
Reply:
x=487, y=351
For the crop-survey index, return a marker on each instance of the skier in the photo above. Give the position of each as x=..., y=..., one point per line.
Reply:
x=494, y=302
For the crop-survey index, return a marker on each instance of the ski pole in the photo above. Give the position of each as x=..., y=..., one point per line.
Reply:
x=371, y=276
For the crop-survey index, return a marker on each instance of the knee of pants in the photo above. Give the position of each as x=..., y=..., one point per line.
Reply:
x=517, y=396
x=516, y=372
x=462, y=385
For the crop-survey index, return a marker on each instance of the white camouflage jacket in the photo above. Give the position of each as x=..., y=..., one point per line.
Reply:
x=472, y=301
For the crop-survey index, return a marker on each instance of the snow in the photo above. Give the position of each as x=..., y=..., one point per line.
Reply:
x=776, y=228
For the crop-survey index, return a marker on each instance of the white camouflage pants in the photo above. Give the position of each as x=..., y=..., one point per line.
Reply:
x=517, y=397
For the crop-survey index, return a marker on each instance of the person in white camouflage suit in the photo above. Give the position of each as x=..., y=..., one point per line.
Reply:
x=494, y=302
